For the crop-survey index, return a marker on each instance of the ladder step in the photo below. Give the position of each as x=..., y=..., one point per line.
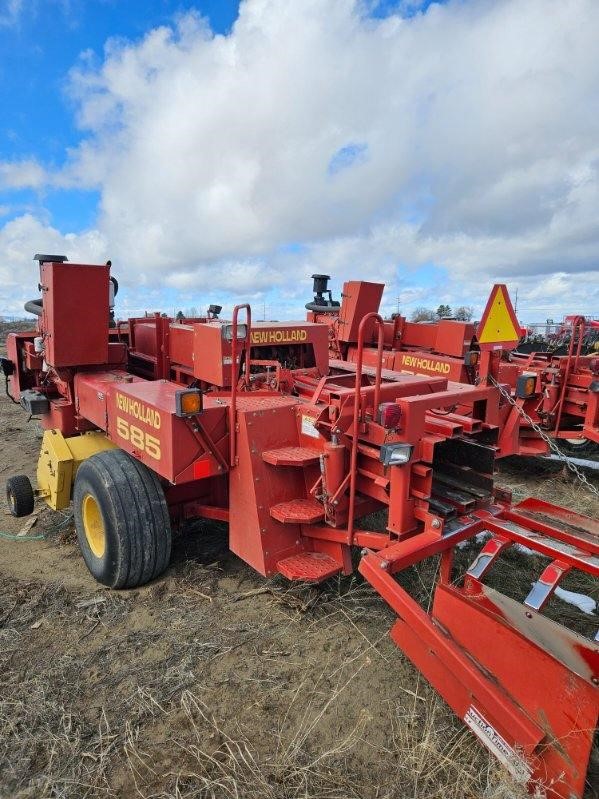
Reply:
x=308, y=566
x=298, y=511
x=291, y=456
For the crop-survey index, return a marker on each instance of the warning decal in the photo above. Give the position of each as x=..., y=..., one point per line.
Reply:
x=485, y=732
x=308, y=428
x=498, y=327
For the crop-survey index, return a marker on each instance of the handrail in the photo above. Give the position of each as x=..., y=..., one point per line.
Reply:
x=353, y=470
x=578, y=326
x=235, y=376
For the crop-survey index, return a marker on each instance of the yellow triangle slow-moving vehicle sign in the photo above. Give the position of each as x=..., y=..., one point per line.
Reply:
x=498, y=329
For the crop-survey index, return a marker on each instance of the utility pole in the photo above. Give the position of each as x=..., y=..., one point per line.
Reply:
x=398, y=306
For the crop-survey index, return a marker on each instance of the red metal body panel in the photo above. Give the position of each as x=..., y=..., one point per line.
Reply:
x=453, y=338
x=139, y=416
x=75, y=299
x=359, y=298
x=255, y=486
x=181, y=345
x=211, y=357
x=423, y=363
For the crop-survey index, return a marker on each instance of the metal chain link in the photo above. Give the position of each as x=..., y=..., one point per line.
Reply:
x=547, y=439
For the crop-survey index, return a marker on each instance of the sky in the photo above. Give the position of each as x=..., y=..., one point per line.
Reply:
x=222, y=152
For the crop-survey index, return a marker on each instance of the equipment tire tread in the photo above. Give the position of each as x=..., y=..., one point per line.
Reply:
x=19, y=495
x=136, y=519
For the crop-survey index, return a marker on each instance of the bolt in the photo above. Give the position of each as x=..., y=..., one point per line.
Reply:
x=595, y=680
x=528, y=614
x=384, y=564
x=436, y=524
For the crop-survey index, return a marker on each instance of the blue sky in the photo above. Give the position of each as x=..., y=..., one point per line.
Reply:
x=38, y=48
x=219, y=152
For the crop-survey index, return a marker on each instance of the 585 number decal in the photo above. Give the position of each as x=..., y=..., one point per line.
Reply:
x=138, y=438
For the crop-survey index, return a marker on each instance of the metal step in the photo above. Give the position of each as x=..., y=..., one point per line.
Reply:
x=298, y=511
x=309, y=566
x=291, y=456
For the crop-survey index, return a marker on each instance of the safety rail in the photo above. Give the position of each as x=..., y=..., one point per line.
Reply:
x=235, y=376
x=353, y=470
x=578, y=327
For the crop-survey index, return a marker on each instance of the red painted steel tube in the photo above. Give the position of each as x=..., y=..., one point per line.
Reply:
x=353, y=470
x=234, y=376
x=578, y=325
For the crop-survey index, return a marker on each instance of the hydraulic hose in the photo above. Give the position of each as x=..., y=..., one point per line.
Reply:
x=331, y=308
x=34, y=307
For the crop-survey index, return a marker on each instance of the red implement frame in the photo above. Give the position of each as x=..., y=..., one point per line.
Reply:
x=526, y=686
x=573, y=355
x=376, y=318
x=235, y=375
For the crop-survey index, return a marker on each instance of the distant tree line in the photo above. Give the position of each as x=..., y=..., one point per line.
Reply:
x=463, y=313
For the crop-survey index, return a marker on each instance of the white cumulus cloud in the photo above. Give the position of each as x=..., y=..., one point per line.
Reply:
x=465, y=137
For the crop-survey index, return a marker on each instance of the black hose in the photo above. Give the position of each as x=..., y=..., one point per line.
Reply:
x=333, y=307
x=34, y=307
x=8, y=394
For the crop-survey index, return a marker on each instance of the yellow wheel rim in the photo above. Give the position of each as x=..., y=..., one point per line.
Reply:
x=93, y=525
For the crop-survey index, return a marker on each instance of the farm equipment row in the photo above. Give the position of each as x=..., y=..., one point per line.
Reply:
x=554, y=338
x=557, y=396
x=156, y=421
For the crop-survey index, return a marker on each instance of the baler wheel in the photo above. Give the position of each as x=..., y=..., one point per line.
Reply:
x=19, y=495
x=578, y=447
x=122, y=520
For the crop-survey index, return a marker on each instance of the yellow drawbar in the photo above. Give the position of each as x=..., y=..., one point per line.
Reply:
x=59, y=460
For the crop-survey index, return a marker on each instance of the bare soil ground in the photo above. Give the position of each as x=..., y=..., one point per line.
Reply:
x=212, y=682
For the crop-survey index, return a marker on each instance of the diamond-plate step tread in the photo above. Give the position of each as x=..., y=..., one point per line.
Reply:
x=291, y=456
x=308, y=566
x=298, y=511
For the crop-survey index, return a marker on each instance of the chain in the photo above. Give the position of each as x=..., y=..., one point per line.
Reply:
x=547, y=439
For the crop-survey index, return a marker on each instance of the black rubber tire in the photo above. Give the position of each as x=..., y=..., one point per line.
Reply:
x=19, y=495
x=584, y=448
x=137, y=528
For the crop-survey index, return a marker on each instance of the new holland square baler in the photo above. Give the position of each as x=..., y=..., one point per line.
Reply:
x=553, y=396
x=154, y=421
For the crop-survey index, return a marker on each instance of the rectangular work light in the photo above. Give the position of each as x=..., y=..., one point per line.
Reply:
x=242, y=331
x=395, y=454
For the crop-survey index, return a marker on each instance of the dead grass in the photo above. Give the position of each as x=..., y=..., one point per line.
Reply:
x=215, y=683
x=179, y=706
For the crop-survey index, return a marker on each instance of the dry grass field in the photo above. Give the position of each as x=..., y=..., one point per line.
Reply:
x=212, y=682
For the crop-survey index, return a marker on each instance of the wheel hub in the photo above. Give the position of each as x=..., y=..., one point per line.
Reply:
x=93, y=525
